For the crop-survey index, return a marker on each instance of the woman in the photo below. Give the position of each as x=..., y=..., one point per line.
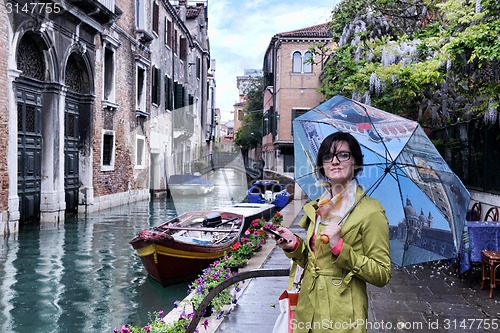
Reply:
x=343, y=249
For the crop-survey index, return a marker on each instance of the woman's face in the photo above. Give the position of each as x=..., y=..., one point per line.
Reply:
x=339, y=168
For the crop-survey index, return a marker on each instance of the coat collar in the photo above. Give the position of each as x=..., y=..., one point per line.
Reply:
x=311, y=207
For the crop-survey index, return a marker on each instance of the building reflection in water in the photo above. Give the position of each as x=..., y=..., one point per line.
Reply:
x=83, y=275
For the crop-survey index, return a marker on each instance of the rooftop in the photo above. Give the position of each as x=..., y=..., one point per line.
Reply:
x=320, y=30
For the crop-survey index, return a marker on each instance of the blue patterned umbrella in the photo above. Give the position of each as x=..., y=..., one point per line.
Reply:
x=425, y=202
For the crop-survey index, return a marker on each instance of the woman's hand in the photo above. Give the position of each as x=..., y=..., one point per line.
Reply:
x=332, y=231
x=288, y=240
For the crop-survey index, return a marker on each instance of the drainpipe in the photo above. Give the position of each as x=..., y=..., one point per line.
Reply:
x=275, y=109
x=173, y=94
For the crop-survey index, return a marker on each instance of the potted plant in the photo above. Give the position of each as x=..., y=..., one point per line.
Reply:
x=158, y=324
x=256, y=242
x=234, y=262
x=242, y=250
x=257, y=224
x=276, y=220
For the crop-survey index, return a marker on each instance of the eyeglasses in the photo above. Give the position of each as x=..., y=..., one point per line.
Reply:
x=342, y=156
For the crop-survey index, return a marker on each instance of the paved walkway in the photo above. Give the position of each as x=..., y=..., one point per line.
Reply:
x=419, y=298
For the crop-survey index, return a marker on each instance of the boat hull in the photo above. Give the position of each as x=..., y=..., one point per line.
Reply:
x=175, y=251
x=169, y=266
x=189, y=185
x=190, y=189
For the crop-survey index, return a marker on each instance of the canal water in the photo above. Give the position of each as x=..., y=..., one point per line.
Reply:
x=84, y=276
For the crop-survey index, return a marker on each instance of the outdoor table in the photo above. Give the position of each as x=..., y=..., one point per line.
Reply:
x=480, y=236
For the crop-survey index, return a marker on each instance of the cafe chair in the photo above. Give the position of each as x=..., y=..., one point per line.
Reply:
x=491, y=214
x=475, y=212
x=490, y=263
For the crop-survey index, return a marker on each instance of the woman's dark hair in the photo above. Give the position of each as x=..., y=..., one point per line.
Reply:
x=334, y=140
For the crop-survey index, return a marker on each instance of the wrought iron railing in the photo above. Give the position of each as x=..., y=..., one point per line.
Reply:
x=184, y=120
x=226, y=284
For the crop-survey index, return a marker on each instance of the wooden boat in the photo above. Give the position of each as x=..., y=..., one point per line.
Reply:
x=251, y=211
x=179, y=249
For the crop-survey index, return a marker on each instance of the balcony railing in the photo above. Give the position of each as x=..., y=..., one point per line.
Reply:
x=109, y=4
x=184, y=120
x=103, y=11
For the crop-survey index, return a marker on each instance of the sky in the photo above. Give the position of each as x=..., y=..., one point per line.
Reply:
x=240, y=31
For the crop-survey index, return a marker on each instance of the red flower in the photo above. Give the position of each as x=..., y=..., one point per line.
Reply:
x=236, y=246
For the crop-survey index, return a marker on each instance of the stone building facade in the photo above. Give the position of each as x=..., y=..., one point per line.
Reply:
x=291, y=81
x=91, y=92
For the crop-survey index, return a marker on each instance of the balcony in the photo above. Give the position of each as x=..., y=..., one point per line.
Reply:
x=183, y=119
x=109, y=4
x=103, y=11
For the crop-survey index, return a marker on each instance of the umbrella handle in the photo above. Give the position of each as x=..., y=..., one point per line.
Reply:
x=324, y=239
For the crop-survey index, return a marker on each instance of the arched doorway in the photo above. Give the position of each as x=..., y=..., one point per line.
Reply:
x=31, y=63
x=78, y=85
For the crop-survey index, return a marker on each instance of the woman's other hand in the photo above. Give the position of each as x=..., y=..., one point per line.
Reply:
x=332, y=231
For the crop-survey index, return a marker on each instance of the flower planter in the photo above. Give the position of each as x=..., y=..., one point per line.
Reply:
x=208, y=311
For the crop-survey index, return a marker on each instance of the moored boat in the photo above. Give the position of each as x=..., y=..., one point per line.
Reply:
x=251, y=211
x=189, y=185
x=179, y=249
x=268, y=191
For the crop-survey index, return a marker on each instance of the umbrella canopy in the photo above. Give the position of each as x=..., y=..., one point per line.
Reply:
x=425, y=202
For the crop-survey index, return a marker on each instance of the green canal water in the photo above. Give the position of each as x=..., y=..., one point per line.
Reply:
x=83, y=276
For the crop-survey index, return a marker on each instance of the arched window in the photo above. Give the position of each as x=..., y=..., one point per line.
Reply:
x=297, y=62
x=29, y=58
x=308, y=68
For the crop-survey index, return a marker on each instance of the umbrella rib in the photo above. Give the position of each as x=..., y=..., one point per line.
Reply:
x=396, y=177
x=369, y=189
x=306, y=152
x=385, y=157
x=375, y=128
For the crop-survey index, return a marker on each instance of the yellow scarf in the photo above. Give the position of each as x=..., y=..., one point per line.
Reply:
x=332, y=209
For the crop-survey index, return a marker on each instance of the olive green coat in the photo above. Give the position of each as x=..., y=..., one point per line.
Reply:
x=333, y=293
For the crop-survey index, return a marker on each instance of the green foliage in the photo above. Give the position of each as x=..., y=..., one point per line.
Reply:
x=429, y=60
x=212, y=276
x=254, y=95
x=242, y=251
x=344, y=13
x=249, y=135
x=339, y=72
x=158, y=325
x=478, y=42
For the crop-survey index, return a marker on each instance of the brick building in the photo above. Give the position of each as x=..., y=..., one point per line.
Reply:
x=291, y=84
x=96, y=95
